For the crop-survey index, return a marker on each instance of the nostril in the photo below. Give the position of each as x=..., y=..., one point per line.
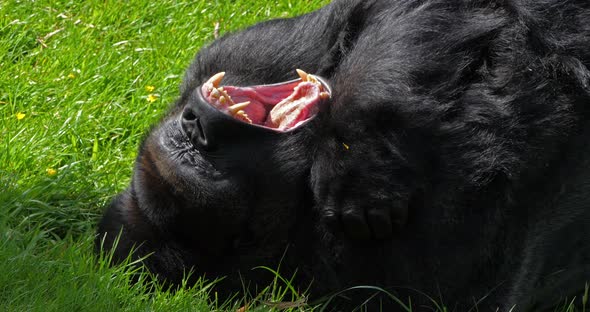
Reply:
x=188, y=114
x=191, y=125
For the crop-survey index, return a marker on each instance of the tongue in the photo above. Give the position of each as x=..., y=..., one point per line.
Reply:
x=296, y=108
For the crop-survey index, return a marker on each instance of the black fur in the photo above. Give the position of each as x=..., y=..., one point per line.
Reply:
x=453, y=158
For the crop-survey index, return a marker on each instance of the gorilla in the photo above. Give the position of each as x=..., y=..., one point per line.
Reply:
x=431, y=148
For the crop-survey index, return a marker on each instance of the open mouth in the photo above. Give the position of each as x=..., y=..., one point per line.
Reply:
x=280, y=107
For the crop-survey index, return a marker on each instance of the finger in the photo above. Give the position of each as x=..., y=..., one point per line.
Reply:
x=354, y=223
x=399, y=216
x=330, y=213
x=380, y=222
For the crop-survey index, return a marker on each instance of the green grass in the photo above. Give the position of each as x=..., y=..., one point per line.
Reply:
x=75, y=101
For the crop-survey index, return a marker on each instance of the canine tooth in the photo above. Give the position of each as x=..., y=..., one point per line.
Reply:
x=236, y=108
x=216, y=79
x=302, y=74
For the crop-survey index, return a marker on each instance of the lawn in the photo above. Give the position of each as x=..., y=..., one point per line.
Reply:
x=80, y=83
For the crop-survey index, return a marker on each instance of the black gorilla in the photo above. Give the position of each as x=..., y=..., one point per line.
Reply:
x=448, y=153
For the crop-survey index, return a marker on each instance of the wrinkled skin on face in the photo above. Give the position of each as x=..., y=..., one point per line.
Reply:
x=442, y=152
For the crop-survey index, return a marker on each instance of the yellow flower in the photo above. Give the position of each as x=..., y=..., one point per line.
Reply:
x=150, y=88
x=51, y=172
x=20, y=115
x=71, y=76
x=152, y=98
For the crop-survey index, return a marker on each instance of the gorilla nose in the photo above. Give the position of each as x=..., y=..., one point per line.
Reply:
x=192, y=125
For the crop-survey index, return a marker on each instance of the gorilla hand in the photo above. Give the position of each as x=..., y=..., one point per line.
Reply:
x=354, y=189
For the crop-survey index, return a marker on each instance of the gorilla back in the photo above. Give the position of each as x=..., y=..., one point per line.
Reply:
x=439, y=147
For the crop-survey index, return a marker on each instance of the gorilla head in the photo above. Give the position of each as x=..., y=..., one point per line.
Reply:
x=220, y=183
x=437, y=146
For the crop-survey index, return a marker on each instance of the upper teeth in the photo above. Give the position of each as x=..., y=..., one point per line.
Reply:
x=216, y=79
x=224, y=99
